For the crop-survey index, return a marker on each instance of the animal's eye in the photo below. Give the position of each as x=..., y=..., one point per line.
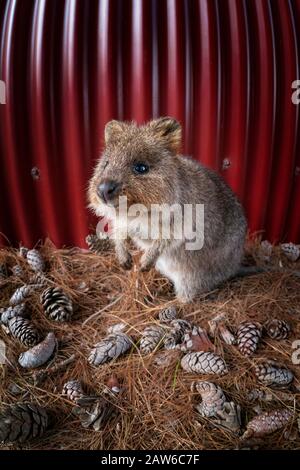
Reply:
x=105, y=164
x=140, y=168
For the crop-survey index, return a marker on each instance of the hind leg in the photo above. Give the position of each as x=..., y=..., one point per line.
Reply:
x=192, y=288
x=188, y=284
x=186, y=290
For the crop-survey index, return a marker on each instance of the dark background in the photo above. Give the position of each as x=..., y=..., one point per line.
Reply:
x=224, y=68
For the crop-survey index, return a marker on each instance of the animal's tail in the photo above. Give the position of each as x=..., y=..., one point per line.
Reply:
x=252, y=270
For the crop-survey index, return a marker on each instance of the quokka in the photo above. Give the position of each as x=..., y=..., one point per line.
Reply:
x=144, y=164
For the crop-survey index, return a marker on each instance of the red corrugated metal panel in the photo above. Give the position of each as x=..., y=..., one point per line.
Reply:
x=224, y=68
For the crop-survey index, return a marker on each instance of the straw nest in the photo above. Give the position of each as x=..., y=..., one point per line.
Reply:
x=157, y=407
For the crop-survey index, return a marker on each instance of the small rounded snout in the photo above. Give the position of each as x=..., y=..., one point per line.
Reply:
x=108, y=190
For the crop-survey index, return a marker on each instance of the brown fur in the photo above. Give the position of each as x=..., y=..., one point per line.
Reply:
x=172, y=179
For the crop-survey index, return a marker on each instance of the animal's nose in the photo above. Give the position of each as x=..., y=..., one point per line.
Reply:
x=108, y=190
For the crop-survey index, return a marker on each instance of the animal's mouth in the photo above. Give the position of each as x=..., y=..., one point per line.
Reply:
x=100, y=204
x=113, y=204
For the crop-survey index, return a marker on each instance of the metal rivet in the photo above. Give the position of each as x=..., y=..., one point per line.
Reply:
x=35, y=173
x=226, y=164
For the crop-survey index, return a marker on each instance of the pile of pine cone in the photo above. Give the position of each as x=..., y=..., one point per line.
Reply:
x=168, y=338
x=23, y=421
x=200, y=357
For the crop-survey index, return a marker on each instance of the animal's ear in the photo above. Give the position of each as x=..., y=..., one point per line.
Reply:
x=168, y=130
x=113, y=130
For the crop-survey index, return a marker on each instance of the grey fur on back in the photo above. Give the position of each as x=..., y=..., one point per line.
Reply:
x=225, y=229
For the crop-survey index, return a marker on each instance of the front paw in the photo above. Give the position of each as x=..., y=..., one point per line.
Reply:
x=127, y=262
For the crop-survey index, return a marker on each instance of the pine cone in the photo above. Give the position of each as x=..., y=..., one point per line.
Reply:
x=22, y=422
x=96, y=411
x=168, y=314
x=23, y=330
x=38, y=354
x=152, y=336
x=109, y=348
x=21, y=294
x=265, y=251
x=291, y=251
x=57, y=305
x=217, y=327
x=259, y=394
x=23, y=251
x=225, y=334
x=97, y=414
x=267, y=423
x=213, y=398
x=175, y=336
x=117, y=328
x=270, y=374
x=73, y=390
x=183, y=326
x=204, y=363
x=19, y=310
x=229, y=417
x=269, y=395
x=39, y=280
x=35, y=260
x=172, y=339
x=98, y=245
x=248, y=336
x=196, y=340
x=17, y=270
x=277, y=329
